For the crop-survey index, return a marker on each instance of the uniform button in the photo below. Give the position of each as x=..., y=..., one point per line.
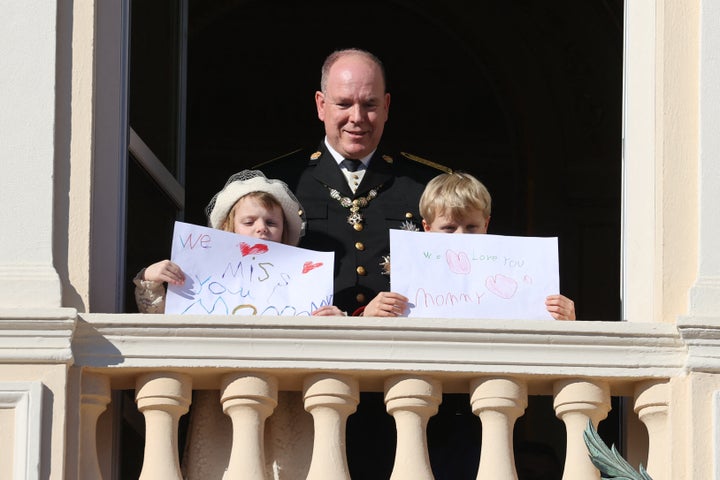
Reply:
x=408, y=215
x=358, y=227
x=360, y=298
x=360, y=270
x=359, y=246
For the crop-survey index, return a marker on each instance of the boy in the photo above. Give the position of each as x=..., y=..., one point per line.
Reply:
x=457, y=203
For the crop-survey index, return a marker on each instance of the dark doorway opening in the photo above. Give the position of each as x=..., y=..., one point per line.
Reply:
x=524, y=95
x=527, y=96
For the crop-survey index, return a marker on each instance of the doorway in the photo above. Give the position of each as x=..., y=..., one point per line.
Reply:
x=527, y=96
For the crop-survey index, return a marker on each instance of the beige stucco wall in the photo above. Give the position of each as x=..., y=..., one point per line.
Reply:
x=677, y=154
x=73, y=167
x=27, y=147
x=694, y=427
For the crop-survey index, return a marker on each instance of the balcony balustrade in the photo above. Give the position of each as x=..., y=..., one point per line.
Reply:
x=250, y=360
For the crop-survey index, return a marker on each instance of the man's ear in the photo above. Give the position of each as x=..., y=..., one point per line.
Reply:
x=487, y=223
x=426, y=227
x=320, y=104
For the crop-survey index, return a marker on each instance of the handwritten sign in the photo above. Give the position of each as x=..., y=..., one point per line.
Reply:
x=230, y=274
x=474, y=276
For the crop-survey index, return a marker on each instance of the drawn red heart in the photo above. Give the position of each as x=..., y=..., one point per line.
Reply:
x=458, y=262
x=256, y=249
x=307, y=266
x=502, y=286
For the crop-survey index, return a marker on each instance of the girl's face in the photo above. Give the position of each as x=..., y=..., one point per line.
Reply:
x=253, y=219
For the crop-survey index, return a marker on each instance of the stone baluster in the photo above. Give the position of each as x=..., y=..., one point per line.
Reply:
x=330, y=399
x=576, y=402
x=94, y=399
x=248, y=399
x=162, y=397
x=412, y=400
x=652, y=400
x=498, y=402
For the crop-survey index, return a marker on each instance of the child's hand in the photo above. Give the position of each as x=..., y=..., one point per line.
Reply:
x=164, y=271
x=560, y=307
x=328, y=311
x=386, y=304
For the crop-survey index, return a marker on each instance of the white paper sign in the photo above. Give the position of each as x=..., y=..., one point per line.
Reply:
x=474, y=276
x=230, y=274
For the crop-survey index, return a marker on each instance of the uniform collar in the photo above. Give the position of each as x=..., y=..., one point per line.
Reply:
x=339, y=158
x=327, y=171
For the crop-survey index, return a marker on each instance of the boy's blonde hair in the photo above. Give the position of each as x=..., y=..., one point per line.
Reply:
x=453, y=194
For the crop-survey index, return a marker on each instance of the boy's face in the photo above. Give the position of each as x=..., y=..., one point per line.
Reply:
x=473, y=221
x=254, y=220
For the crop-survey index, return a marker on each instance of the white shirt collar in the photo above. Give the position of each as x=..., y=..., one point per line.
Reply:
x=339, y=158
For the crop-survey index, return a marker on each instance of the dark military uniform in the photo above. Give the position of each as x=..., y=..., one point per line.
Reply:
x=390, y=190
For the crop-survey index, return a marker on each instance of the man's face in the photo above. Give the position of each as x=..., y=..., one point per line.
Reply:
x=355, y=106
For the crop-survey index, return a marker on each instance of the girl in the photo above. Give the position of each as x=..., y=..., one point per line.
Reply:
x=249, y=204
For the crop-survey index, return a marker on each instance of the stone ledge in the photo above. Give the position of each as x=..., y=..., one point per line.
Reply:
x=31, y=336
x=464, y=348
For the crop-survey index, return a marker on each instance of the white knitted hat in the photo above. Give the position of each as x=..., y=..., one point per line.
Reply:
x=248, y=181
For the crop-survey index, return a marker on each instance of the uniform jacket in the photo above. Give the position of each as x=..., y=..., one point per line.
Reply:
x=398, y=180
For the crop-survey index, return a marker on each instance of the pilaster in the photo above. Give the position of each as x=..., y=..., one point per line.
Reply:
x=28, y=32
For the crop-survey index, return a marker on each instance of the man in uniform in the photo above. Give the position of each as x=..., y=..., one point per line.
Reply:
x=352, y=192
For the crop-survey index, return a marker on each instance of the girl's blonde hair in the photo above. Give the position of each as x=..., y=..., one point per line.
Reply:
x=453, y=194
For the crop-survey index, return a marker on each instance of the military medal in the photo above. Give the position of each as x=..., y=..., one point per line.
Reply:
x=356, y=217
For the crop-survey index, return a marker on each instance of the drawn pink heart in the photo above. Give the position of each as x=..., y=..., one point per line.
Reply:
x=502, y=286
x=458, y=262
x=307, y=266
x=256, y=249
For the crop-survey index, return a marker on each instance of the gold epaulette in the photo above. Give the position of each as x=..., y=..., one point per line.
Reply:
x=424, y=161
x=275, y=159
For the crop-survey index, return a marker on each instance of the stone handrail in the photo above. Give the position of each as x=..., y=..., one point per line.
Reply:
x=461, y=348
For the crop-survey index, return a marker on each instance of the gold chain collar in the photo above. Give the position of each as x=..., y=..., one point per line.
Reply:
x=356, y=217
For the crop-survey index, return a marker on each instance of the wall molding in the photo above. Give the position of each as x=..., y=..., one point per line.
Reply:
x=25, y=399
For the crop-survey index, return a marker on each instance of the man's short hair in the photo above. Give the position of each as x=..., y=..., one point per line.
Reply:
x=338, y=54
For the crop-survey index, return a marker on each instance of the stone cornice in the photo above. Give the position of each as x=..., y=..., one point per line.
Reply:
x=32, y=336
x=702, y=337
